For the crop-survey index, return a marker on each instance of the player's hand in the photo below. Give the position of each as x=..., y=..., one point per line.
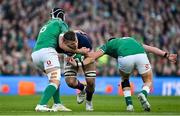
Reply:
x=172, y=58
x=83, y=50
x=71, y=61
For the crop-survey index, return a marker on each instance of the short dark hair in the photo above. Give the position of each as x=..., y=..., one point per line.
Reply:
x=70, y=35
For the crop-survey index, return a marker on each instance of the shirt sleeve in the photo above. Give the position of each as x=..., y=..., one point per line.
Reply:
x=103, y=48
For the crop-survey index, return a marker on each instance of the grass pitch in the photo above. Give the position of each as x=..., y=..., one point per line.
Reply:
x=103, y=105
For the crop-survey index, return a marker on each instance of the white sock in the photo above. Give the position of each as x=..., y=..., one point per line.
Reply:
x=127, y=93
x=146, y=88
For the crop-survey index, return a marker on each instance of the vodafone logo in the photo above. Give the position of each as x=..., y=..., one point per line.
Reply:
x=48, y=62
x=147, y=66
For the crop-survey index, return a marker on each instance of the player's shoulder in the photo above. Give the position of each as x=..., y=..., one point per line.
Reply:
x=119, y=38
x=57, y=22
x=113, y=39
x=82, y=35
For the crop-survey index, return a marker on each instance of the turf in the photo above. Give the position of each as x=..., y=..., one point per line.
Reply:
x=103, y=105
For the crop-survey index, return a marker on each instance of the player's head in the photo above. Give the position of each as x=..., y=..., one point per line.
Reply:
x=57, y=13
x=70, y=39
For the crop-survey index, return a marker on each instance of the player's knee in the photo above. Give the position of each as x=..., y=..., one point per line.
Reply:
x=90, y=83
x=90, y=79
x=125, y=84
x=71, y=81
x=54, y=75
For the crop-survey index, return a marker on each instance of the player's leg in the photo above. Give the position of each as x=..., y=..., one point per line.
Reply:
x=70, y=74
x=147, y=79
x=125, y=84
x=126, y=65
x=54, y=78
x=90, y=74
x=52, y=70
x=57, y=106
x=47, y=94
x=144, y=68
x=36, y=56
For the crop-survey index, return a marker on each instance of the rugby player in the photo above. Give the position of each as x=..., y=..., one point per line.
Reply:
x=130, y=54
x=45, y=57
x=77, y=40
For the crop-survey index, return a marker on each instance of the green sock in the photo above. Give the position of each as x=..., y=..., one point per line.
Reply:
x=128, y=100
x=56, y=97
x=144, y=92
x=48, y=93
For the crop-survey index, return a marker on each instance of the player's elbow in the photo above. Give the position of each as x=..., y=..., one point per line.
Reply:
x=147, y=48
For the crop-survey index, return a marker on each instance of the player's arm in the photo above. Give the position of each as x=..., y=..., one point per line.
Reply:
x=70, y=48
x=92, y=56
x=66, y=48
x=159, y=52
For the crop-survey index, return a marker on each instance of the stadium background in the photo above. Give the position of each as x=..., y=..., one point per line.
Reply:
x=153, y=22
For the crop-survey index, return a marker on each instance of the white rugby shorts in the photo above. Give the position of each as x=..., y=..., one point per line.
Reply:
x=46, y=58
x=138, y=61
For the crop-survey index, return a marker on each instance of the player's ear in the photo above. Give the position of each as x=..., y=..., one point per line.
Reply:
x=61, y=39
x=65, y=41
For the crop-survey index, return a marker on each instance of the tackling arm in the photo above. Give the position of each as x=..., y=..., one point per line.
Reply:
x=66, y=48
x=92, y=56
x=157, y=51
x=154, y=50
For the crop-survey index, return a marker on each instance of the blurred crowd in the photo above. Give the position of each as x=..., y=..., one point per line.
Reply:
x=153, y=22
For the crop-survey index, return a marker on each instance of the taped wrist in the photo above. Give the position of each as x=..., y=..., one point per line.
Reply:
x=166, y=55
x=82, y=64
x=79, y=64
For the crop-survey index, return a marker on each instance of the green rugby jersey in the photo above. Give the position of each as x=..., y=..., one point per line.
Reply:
x=124, y=46
x=49, y=34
